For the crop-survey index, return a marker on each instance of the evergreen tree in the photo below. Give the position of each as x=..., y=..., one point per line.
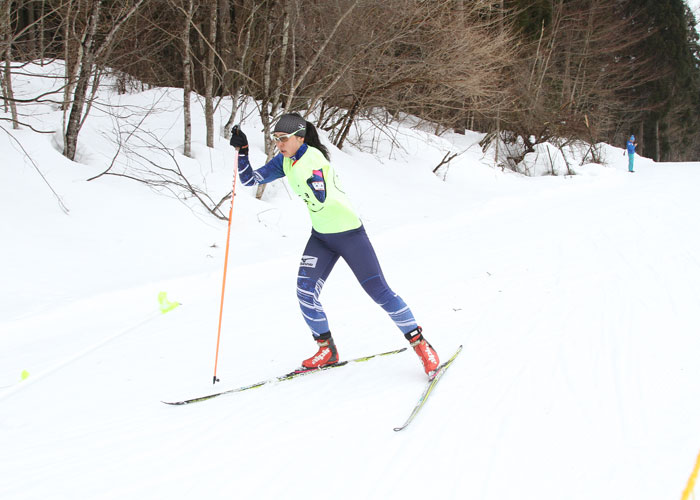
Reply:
x=668, y=124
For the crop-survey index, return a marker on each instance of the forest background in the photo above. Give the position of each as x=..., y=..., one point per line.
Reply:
x=524, y=71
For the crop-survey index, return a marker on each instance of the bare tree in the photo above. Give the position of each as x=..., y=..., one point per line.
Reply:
x=440, y=61
x=237, y=79
x=6, y=39
x=93, y=49
x=209, y=71
x=187, y=75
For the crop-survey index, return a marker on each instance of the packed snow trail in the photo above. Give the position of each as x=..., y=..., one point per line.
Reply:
x=575, y=298
x=576, y=305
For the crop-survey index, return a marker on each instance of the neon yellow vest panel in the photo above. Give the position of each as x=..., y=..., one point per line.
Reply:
x=335, y=214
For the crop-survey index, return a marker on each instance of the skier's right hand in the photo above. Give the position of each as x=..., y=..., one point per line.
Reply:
x=239, y=140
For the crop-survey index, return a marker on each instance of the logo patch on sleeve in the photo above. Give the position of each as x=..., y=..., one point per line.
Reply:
x=308, y=261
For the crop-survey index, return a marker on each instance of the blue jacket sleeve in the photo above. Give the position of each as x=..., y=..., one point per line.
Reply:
x=269, y=172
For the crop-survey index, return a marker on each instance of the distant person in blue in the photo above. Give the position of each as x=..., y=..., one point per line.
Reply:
x=631, y=149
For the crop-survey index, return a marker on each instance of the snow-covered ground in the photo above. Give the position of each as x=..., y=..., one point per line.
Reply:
x=576, y=299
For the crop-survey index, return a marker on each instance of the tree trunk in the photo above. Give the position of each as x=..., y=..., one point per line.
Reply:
x=498, y=109
x=657, y=156
x=277, y=91
x=42, y=47
x=81, y=86
x=350, y=118
x=271, y=96
x=7, y=90
x=187, y=78
x=72, y=58
x=209, y=75
x=32, y=31
x=234, y=89
x=224, y=47
x=6, y=51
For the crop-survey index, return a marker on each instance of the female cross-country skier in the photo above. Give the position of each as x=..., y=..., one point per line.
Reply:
x=336, y=232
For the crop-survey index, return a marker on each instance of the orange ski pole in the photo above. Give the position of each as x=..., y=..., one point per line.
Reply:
x=223, y=285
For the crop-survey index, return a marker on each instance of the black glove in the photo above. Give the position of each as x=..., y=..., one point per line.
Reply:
x=239, y=140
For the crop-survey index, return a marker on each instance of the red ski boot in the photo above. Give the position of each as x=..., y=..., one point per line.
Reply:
x=327, y=353
x=425, y=351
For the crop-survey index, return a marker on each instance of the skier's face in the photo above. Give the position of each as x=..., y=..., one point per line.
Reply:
x=288, y=144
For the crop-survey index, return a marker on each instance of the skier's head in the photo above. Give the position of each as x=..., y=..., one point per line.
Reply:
x=291, y=131
x=291, y=123
x=632, y=137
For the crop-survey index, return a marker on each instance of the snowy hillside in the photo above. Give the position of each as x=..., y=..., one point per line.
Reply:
x=576, y=299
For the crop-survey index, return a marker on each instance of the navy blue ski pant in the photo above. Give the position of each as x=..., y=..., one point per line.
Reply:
x=320, y=255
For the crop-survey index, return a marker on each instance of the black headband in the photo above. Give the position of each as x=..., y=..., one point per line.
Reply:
x=291, y=124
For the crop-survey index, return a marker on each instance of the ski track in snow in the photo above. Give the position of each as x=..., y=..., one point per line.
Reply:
x=576, y=300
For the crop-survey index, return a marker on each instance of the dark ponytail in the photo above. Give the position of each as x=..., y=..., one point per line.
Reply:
x=311, y=138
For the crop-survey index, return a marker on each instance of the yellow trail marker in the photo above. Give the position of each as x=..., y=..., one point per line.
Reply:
x=165, y=304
